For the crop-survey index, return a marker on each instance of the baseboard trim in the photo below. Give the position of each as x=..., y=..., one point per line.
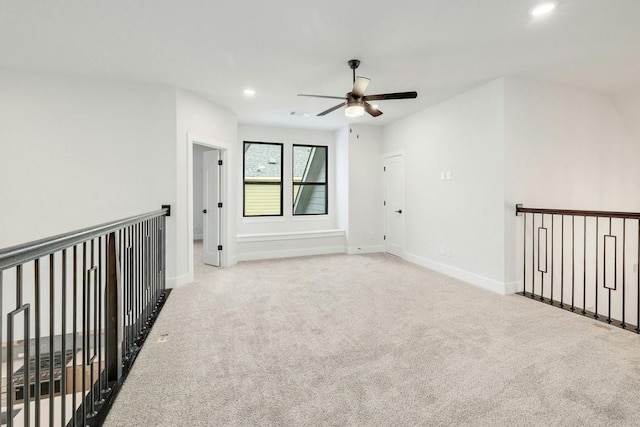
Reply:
x=353, y=250
x=463, y=275
x=512, y=287
x=290, y=253
x=176, y=282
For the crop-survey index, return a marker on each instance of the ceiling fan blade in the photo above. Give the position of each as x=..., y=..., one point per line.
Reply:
x=397, y=95
x=359, y=86
x=323, y=96
x=324, y=113
x=372, y=110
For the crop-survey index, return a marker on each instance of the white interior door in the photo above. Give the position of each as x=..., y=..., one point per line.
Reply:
x=211, y=211
x=394, y=205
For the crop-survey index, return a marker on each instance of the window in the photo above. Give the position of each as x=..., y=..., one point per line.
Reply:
x=262, y=179
x=309, y=180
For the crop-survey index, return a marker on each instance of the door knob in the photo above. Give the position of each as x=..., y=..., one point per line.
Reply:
x=399, y=211
x=204, y=211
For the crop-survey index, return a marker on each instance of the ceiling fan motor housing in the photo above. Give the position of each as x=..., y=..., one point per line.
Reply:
x=352, y=100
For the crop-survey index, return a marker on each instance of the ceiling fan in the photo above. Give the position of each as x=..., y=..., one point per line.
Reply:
x=356, y=102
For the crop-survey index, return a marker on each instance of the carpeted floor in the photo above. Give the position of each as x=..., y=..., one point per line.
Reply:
x=372, y=340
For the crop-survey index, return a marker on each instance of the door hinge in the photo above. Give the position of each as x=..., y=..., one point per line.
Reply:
x=384, y=169
x=384, y=238
x=219, y=204
x=219, y=162
x=384, y=203
x=219, y=247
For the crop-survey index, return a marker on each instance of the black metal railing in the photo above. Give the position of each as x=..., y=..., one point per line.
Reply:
x=583, y=261
x=74, y=311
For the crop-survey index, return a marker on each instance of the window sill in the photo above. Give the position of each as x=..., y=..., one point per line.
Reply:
x=311, y=218
x=260, y=219
x=268, y=237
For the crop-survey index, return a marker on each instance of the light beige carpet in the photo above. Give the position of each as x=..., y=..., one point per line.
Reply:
x=372, y=340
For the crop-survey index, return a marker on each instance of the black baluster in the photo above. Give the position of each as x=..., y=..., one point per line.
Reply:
x=83, y=376
x=584, y=269
x=624, y=263
x=52, y=305
x=573, y=262
x=98, y=325
x=524, y=256
x=63, y=327
x=638, y=283
x=74, y=337
x=552, y=244
x=595, y=314
x=38, y=321
x=533, y=256
x=562, y=263
x=545, y=261
x=604, y=274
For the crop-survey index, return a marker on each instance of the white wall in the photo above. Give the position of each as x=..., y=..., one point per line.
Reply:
x=342, y=179
x=464, y=215
x=78, y=152
x=273, y=237
x=566, y=148
x=198, y=190
x=365, y=196
x=628, y=107
x=200, y=121
x=510, y=141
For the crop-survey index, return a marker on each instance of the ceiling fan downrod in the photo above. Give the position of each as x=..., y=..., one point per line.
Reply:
x=353, y=64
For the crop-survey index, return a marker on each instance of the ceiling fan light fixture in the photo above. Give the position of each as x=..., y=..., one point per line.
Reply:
x=354, y=110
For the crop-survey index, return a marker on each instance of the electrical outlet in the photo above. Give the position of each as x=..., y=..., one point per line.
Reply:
x=442, y=175
x=448, y=175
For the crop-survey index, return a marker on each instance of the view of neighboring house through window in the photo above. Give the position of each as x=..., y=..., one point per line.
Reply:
x=262, y=179
x=309, y=180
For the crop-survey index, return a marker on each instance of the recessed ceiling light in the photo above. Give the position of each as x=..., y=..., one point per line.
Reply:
x=249, y=92
x=543, y=8
x=300, y=114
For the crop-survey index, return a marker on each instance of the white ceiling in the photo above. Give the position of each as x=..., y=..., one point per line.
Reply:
x=280, y=48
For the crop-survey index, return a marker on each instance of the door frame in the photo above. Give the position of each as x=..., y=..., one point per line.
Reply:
x=385, y=158
x=224, y=198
